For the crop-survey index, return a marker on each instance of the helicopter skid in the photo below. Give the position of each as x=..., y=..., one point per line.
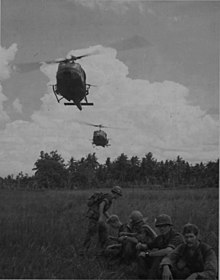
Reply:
x=56, y=93
x=83, y=104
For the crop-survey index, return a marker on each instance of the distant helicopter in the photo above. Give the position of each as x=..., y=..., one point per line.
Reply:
x=99, y=136
x=70, y=80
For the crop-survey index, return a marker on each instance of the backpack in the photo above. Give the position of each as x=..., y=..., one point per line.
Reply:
x=95, y=199
x=93, y=204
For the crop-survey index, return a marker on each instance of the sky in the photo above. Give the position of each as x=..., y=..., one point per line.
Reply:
x=156, y=71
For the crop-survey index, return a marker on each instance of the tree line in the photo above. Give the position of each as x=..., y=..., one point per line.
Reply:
x=51, y=172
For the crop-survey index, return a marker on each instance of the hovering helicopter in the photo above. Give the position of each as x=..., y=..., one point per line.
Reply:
x=70, y=80
x=99, y=136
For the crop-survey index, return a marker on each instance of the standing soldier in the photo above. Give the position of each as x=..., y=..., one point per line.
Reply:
x=97, y=214
x=163, y=244
x=192, y=260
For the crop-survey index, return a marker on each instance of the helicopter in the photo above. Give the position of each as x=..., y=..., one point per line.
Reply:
x=99, y=136
x=70, y=80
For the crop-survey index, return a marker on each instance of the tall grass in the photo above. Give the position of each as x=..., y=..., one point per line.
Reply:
x=41, y=233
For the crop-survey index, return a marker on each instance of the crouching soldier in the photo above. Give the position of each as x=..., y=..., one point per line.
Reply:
x=138, y=232
x=97, y=213
x=192, y=260
x=113, y=245
x=152, y=254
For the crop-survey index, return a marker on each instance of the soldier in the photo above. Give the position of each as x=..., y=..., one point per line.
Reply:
x=113, y=245
x=152, y=254
x=97, y=214
x=114, y=222
x=192, y=260
x=137, y=232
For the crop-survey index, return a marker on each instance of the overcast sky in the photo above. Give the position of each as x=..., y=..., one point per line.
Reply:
x=156, y=77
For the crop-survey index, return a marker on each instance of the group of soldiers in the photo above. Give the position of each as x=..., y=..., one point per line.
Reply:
x=166, y=255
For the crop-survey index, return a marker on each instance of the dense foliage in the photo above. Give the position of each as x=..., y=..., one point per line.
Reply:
x=51, y=172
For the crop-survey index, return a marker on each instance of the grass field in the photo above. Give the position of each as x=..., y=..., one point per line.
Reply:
x=42, y=231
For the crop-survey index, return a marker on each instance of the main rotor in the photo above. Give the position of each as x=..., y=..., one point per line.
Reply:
x=31, y=66
x=100, y=126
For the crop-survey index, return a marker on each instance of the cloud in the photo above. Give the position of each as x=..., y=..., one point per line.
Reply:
x=133, y=42
x=214, y=111
x=156, y=118
x=151, y=11
x=195, y=8
x=6, y=56
x=119, y=7
x=17, y=105
x=3, y=115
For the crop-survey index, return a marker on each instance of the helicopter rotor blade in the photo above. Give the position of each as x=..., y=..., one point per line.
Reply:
x=99, y=125
x=113, y=127
x=72, y=58
x=85, y=55
x=81, y=56
x=87, y=123
x=57, y=61
x=32, y=66
x=92, y=124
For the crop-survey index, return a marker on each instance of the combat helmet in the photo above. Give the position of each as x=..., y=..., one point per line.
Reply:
x=114, y=221
x=136, y=217
x=163, y=220
x=117, y=190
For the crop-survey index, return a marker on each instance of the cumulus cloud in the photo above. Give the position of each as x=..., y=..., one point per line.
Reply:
x=3, y=115
x=133, y=42
x=154, y=117
x=119, y=7
x=17, y=105
x=6, y=56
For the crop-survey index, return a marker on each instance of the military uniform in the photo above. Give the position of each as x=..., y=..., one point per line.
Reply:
x=93, y=215
x=148, y=267
x=171, y=239
x=129, y=235
x=95, y=227
x=114, y=247
x=143, y=233
x=184, y=262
